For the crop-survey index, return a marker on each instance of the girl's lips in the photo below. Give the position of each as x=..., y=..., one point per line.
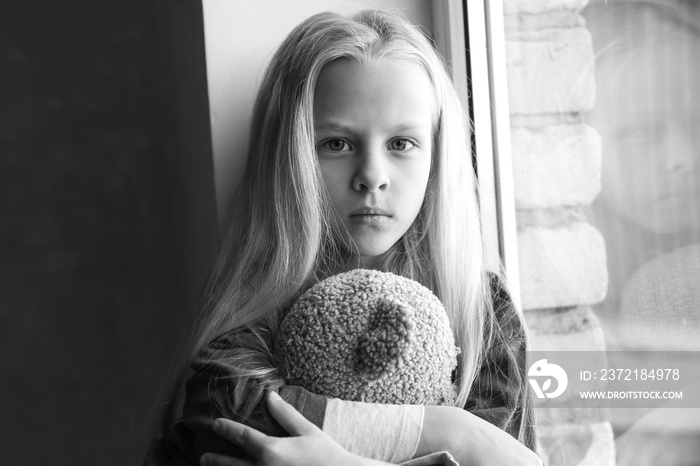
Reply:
x=369, y=218
x=369, y=215
x=362, y=211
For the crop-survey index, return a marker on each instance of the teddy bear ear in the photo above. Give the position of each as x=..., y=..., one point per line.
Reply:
x=386, y=344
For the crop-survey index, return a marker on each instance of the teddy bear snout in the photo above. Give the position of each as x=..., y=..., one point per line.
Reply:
x=387, y=343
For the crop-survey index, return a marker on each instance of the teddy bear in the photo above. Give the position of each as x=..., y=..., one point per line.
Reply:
x=370, y=336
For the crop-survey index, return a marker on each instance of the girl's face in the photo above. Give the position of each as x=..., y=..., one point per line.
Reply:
x=374, y=139
x=648, y=114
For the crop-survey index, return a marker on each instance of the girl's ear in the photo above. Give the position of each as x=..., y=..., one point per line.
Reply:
x=386, y=344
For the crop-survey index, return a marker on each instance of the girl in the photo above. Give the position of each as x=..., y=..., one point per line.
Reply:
x=359, y=157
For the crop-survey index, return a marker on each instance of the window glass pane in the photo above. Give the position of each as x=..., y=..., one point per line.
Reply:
x=648, y=114
x=604, y=100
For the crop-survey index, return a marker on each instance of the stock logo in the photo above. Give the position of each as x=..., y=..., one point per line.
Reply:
x=542, y=370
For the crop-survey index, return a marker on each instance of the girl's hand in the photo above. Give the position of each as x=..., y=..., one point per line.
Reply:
x=308, y=445
x=471, y=440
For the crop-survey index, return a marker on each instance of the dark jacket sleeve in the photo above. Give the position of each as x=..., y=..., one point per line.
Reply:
x=500, y=394
x=216, y=389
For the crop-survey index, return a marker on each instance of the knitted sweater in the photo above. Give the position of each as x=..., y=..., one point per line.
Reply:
x=214, y=390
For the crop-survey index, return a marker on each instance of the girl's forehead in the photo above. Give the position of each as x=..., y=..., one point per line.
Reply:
x=374, y=82
x=369, y=66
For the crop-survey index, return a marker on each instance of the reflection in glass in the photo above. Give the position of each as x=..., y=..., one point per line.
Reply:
x=648, y=115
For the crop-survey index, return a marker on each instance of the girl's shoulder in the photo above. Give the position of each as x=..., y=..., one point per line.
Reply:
x=225, y=353
x=509, y=324
x=500, y=392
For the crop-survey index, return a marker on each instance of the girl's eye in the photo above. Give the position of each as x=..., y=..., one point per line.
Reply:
x=336, y=145
x=400, y=144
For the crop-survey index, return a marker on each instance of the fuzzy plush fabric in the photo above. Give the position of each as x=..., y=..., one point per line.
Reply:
x=369, y=336
x=660, y=303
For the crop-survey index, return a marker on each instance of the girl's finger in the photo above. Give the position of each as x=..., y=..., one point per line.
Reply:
x=246, y=437
x=289, y=418
x=212, y=459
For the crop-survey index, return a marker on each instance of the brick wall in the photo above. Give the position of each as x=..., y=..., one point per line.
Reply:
x=557, y=171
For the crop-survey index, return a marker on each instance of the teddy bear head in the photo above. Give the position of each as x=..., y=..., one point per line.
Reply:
x=369, y=336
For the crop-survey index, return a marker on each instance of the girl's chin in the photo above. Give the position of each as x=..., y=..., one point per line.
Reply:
x=373, y=252
x=367, y=255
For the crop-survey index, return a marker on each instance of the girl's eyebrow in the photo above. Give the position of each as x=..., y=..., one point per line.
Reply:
x=407, y=127
x=333, y=126
x=345, y=128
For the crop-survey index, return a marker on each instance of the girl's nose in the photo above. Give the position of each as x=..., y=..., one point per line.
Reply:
x=683, y=152
x=371, y=174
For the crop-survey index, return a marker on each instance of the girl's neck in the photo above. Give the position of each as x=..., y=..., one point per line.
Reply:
x=350, y=262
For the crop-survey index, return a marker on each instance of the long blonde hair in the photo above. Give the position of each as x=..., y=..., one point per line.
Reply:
x=281, y=238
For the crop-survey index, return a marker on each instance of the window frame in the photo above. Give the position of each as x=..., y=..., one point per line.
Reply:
x=471, y=36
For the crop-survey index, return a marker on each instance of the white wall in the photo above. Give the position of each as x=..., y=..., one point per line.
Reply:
x=240, y=37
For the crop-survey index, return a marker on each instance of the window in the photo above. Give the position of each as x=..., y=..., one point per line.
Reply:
x=603, y=113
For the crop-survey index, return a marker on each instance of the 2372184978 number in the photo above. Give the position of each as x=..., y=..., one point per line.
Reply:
x=640, y=374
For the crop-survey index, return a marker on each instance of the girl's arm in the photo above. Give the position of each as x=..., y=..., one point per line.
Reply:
x=217, y=390
x=500, y=394
x=471, y=440
x=485, y=444
x=307, y=446
x=499, y=406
